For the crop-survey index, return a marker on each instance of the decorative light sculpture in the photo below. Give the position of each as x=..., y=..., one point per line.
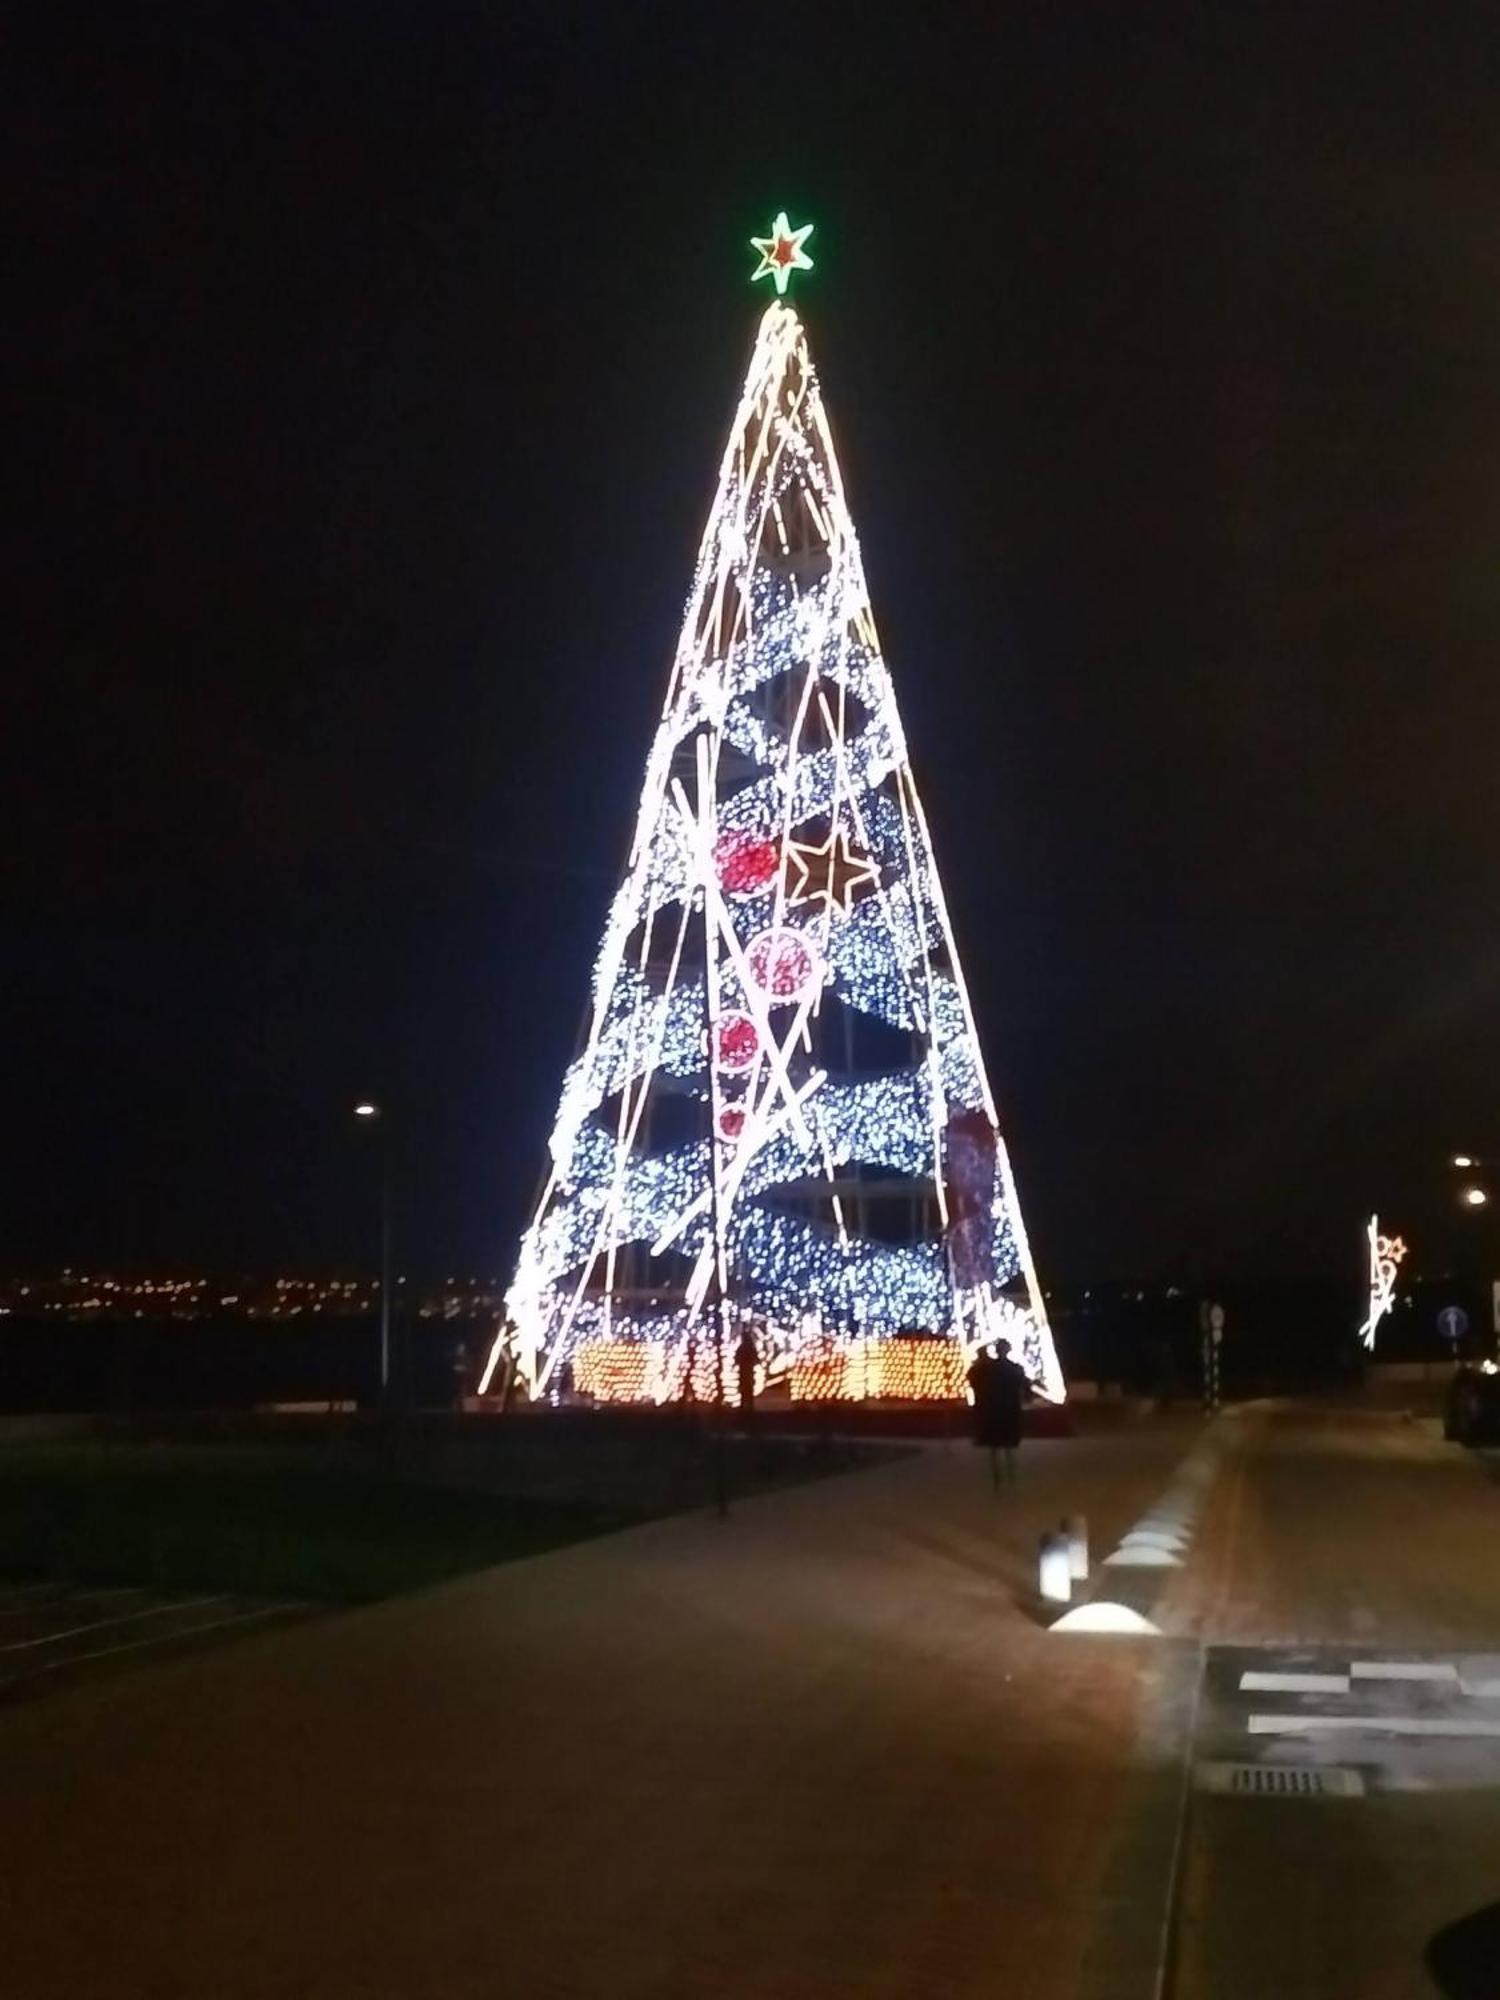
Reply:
x=1386, y=1254
x=780, y=1120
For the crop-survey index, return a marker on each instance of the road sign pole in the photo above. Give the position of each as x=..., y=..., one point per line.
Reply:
x=1211, y=1319
x=1453, y=1324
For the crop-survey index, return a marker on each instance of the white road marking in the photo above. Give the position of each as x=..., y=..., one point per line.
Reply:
x=140, y=1645
x=98, y=1624
x=1481, y=1690
x=1295, y=1683
x=1404, y=1670
x=1368, y=1725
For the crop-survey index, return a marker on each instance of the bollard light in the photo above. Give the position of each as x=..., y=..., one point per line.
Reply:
x=1055, y=1571
x=1076, y=1528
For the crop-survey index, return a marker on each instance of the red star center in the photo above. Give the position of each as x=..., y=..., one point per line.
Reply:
x=784, y=251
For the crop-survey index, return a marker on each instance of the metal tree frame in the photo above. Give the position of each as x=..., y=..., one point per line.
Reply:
x=780, y=1061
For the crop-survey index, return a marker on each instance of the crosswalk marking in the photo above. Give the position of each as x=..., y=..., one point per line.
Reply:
x=1259, y=1683
x=1406, y=1723
x=1404, y=1670
x=1369, y=1725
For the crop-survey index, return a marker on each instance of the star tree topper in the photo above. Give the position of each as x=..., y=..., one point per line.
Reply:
x=781, y=253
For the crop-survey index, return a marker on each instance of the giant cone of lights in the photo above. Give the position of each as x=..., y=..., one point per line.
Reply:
x=779, y=1124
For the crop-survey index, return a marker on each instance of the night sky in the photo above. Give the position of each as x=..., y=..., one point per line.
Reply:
x=374, y=367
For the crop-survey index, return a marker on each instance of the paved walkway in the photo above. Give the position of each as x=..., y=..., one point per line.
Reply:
x=821, y=1749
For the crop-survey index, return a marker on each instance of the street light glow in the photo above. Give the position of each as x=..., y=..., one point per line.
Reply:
x=367, y=1110
x=1474, y=1197
x=1463, y=1160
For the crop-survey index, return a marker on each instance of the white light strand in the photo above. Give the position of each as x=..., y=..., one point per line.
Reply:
x=1385, y=1254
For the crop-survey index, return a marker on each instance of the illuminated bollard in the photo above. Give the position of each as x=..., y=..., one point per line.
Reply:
x=1055, y=1569
x=1076, y=1529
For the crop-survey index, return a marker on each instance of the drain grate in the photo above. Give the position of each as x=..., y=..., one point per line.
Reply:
x=1281, y=1781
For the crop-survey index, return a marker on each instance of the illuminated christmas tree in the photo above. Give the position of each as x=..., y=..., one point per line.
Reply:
x=779, y=1124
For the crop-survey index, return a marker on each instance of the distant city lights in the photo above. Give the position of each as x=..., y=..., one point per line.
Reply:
x=76, y=1296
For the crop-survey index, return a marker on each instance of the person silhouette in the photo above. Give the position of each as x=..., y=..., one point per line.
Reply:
x=1000, y=1390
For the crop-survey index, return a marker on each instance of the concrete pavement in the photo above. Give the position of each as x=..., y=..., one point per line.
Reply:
x=823, y=1748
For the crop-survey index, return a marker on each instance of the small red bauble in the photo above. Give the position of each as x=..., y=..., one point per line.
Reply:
x=745, y=861
x=737, y=1043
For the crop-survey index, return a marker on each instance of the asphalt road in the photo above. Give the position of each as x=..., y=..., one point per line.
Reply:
x=1346, y=1594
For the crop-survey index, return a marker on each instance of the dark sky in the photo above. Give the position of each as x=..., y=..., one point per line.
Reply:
x=374, y=367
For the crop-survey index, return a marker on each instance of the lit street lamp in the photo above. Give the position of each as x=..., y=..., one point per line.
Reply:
x=1473, y=1198
x=1471, y=1194
x=371, y=1114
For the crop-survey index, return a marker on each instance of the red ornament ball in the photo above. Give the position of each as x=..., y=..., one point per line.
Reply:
x=738, y=1043
x=745, y=861
x=731, y=1121
x=781, y=964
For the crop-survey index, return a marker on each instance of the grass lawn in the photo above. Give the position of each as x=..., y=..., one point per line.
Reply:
x=322, y=1521
x=260, y=1521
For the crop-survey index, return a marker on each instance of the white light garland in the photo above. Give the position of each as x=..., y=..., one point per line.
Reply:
x=1386, y=1255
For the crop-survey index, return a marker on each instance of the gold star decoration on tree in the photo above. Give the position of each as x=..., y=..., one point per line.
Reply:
x=781, y=253
x=830, y=872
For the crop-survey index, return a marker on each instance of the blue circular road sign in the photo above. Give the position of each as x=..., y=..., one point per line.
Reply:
x=1453, y=1323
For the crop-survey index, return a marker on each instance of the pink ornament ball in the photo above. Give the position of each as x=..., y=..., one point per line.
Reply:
x=781, y=964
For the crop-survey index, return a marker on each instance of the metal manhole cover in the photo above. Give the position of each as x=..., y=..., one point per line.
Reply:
x=1281, y=1781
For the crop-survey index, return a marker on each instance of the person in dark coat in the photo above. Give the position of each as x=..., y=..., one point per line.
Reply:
x=1000, y=1390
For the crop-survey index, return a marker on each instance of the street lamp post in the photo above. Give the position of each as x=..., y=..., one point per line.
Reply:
x=1473, y=1196
x=373, y=1115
